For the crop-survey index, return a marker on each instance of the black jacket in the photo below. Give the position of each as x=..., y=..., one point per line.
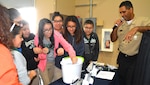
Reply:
x=91, y=51
x=142, y=68
x=27, y=51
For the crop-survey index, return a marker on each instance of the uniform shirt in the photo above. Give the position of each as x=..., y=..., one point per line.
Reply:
x=132, y=47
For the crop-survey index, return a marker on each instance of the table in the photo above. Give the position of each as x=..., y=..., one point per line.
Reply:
x=97, y=81
x=58, y=82
x=115, y=81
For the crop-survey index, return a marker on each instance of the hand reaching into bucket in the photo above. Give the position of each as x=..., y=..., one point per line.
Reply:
x=74, y=60
x=71, y=72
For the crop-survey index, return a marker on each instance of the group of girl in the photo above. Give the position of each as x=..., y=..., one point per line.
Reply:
x=45, y=50
x=13, y=64
x=51, y=43
x=67, y=39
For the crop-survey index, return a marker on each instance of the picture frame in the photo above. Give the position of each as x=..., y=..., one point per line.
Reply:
x=106, y=44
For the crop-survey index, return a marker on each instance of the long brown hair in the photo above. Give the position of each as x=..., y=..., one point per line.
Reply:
x=5, y=36
x=41, y=34
x=78, y=31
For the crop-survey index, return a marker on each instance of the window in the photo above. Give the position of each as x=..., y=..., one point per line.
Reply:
x=29, y=14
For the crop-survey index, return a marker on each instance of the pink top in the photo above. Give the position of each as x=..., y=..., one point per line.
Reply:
x=58, y=39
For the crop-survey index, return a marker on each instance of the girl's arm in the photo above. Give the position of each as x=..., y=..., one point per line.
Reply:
x=20, y=63
x=38, y=50
x=67, y=47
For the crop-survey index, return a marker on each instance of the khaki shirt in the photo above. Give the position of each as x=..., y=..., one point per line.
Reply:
x=132, y=47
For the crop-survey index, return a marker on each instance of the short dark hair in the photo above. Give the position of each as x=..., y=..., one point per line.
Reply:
x=89, y=22
x=15, y=31
x=127, y=4
x=24, y=22
x=57, y=14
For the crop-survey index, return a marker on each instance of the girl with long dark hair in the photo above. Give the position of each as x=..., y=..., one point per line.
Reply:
x=46, y=42
x=74, y=35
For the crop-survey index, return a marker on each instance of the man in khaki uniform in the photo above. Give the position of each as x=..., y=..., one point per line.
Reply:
x=129, y=33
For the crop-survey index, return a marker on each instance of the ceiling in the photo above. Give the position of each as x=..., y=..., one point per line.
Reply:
x=17, y=3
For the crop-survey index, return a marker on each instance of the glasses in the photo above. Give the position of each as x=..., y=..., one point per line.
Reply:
x=47, y=30
x=57, y=21
x=71, y=27
x=88, y=28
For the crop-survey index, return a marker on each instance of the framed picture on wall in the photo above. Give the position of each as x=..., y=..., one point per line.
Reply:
x=106, y=44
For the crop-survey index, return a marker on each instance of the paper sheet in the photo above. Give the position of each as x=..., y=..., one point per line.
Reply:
x=105, y=75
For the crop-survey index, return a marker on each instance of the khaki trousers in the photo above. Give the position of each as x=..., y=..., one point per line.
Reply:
x=48, y=73
x=57, y=74
x=35, y=80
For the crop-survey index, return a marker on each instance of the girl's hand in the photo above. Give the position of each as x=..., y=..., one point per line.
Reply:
x=32, y=74
x=74, y=60
x=60, y=51
x=45, y=50
x=37, y=50
x=36, y=59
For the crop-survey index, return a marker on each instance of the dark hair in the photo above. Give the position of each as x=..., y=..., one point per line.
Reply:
x=15, y=31
x=24, y=22
x=57, y=14
x=41, y=34
x=13, y=13
x=5, y=38
x=127, y=4
x=78, y=31
x=89, y=22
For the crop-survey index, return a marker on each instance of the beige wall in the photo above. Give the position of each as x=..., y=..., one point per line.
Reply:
x=45, y=7
x=105, y=10
x=65, y=7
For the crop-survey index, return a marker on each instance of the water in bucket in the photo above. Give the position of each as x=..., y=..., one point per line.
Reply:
x=71, y=72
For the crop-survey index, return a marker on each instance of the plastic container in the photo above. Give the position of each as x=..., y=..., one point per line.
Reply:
x=71, y=72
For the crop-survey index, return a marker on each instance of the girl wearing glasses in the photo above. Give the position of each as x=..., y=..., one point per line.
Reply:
x=74, y=35
x=46, y=42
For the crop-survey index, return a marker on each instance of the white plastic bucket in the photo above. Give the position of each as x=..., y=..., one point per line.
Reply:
x=71, y=72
